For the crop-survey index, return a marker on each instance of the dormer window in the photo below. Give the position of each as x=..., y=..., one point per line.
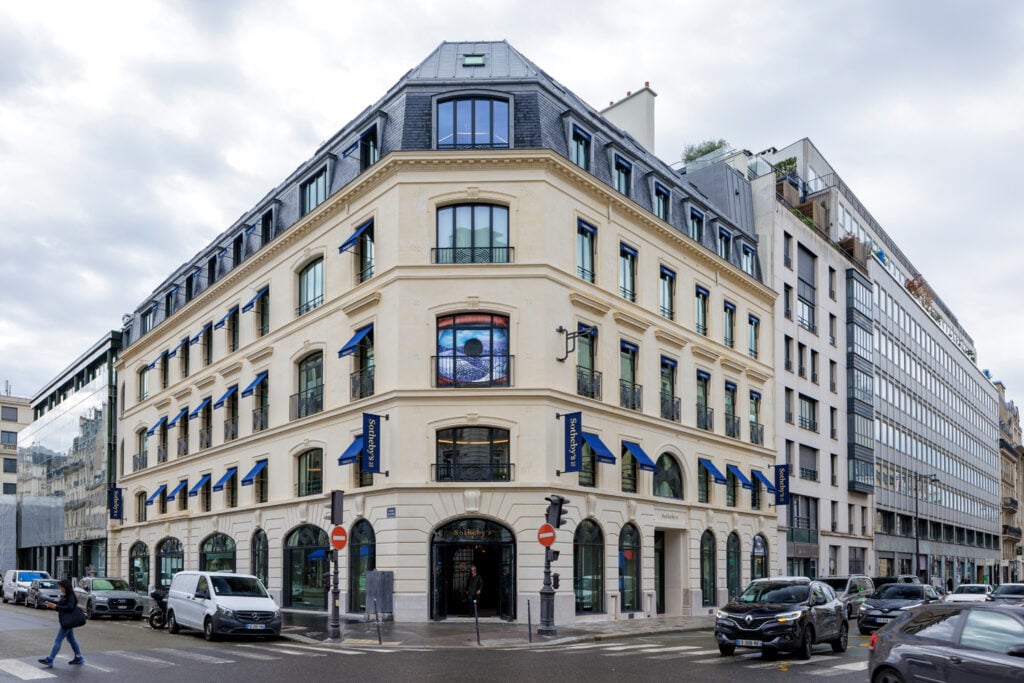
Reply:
x=473, y=123
x=473, y=60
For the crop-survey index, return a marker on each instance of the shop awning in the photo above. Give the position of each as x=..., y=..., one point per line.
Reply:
x=352, y=453
x=225, y=397
x=253, y=384
x=736, y=472
x=194, y=491
x=712, y=470
x=769, y=486
x=195, y=339
x=195, y=413
x=177, y=489
x=251, y=303
x=352, y=344
x=174, y=420
x=152, y=430
x=642, y=458
x=248, y=479
x=156, y=494
x=220, y=323
x=354, y=237
x=603, y=454
x=222, y=482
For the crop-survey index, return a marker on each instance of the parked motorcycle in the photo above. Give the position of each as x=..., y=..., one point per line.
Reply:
x=158, y=609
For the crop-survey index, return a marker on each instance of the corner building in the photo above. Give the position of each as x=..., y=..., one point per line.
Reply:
x=474, y=257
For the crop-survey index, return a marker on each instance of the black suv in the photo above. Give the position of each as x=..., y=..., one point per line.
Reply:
x=786, y=614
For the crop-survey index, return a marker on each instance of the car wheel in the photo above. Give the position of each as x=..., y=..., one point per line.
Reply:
x=726, y=649
x=172, y=623
x=208, y=631
x=886, y=675
x=840, y=643
x=849, y=612
x=89, y=613
x=3, y=596
x=806, y=644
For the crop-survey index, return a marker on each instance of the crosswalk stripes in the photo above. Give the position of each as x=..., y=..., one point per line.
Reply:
x=139, y=657
x=195, y=656
x=287, y=650
x=24, y=670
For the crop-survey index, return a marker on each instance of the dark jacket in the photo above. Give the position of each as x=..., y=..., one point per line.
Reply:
x=65, y=607
x=474, y=586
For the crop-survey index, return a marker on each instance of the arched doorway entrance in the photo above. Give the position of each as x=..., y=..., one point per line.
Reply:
x=138, y=573
x=306, y=568
x=362, y=558
x=456, y=546
x=170, y=559
x=759, y=558
x=217, y=553
x=732, y=565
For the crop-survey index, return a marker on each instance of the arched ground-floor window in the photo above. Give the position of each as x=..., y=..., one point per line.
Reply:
x=708, y=569
x=138, y=571
x=732, y=564
x=170, y=559
x=217, y=553
x=759, y=558
x=629, y=569
x=362, y=558
x=259, y=556
x=588, y=567
x=306, y=568
x=458, y=546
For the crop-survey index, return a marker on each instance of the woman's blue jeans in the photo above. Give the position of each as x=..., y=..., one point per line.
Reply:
x=61, y=635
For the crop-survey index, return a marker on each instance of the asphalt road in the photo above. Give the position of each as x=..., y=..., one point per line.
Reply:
x=132, y=651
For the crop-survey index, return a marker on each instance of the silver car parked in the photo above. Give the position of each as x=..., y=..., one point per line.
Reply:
x=102, y=596
x=42, y=591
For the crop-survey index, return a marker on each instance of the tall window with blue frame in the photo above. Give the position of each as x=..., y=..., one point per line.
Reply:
x=705, y=414
x=700, y=310
x=473, y=122
x=724, y=243
x=695, y=227
x=753, y=335
x=579, y=148
x=588, y=379
x=585, y=236
x=311, y=287
x=747, y=261
x=669, y=400
x=729, y=324
x=667, y=293
x=622, y=175
x=662, y=198
x=472, y=233
x=314, y=191
x=732, y=420
x=630, y=392
x=627, y=272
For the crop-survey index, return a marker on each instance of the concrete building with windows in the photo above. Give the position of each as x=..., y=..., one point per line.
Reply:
x=479, y=292
x=933, y=458
x=1011, y=481
x=826, y=528
x=65, y=473
x=15, y=415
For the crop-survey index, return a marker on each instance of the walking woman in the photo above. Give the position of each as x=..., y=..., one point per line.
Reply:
x=69, y=617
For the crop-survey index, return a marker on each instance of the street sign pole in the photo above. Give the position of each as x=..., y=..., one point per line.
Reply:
x=547, y=600
x=334, y=623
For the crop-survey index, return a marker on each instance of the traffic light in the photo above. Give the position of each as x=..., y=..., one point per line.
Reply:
x=554, y=581
x=555, y=514
x=550, y=555
x=337, y=507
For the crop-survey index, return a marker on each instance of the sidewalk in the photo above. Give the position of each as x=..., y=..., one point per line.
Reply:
x=309, y=627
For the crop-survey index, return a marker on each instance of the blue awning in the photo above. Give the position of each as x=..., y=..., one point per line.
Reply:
x=603, y=454
x=586, y=227
x=729, y=306
x=194, y=491
x=195, y=339
x=736, y=472
x=177, y=489
x=620, y=160
x=702, y=291
x=317, y=554
x=156, y=494
x=626, y=249
x=155, y=361
x=225, y=397
x=174, y=352
x=755, y=395
x=351, y=345
x=628, y=346
x=251, y=303
x=712, y=470
x=195, y=413
x=583, y=133
x=642, y=458
x=668, y=272
x=352, y=453
x=248, y=479
x=219, y=486
x=156, y=426
x=354, y=237
x=671, y=362
x=174, y=420
x=253, y=384
x=220, y=323
x=769, y=486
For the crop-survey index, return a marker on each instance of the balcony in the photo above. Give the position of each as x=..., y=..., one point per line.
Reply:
x=757, y=433
x=809, y=423
x=808, y=474
x=789, y=416
x=788, y=312
x=182, y=445
x=309, y=305
x=466, y=371
x=627, y=293
x=259, y=418
x=705, y=418
x=702, y=329
x=630, y=395
x=802, y=371
x=1010, y=504
x=753, y=353
x=670, y=407
x=161, y=453
x=313, y=487
x=230, y=429
x=361, y=382
x=9, y=446
x=732, y=426
x=832, y=386
x=205, y=438
x=833, y=432
x=140, y=461
x=306, y=403
x=457, y=471
x=1011, y=531
x=789, y=365
x=807, y=324
x=728, y=341
x=832, y=339
x=802, y=535
x=366, y=272
x=814, y=377
x=461, y=255
x=588, y=382
x=667, y=312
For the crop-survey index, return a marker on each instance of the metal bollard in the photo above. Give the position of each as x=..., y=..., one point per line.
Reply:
x=529, y=621
x=377, y=613
x=476, y=618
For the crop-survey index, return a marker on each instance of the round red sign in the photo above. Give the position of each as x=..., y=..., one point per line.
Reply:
x=338, y=537
x=546, y=535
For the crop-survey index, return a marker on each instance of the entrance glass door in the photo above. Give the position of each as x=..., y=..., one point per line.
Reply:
x=458, y=546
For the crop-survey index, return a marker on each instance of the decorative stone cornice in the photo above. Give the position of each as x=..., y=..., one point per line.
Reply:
x=353, y=307
x=627, y=320
x=584, y=301
x=670, y=339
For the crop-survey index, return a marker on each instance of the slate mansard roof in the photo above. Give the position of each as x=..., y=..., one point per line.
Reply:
x=541, y=117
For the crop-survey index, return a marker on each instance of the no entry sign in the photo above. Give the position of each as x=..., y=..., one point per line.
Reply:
x=546, y=535
x=338, y=537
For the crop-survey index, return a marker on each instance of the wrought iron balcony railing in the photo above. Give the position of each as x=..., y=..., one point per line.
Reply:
x=460, y=471
x=630, y=395
x=757, y=433
x=705, y=418
x=461, y=255
x=588, y=382
x=306, y=403
x=259, y=418
x=670, y=407
x=484, y=370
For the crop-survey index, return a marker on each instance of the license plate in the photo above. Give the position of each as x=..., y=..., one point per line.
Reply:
x=749, y=643
x=256, y=627
x=884, y=620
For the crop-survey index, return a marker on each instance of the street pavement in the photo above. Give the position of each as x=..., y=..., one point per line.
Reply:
x=462, y=632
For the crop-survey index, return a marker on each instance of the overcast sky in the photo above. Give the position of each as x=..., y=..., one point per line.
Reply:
x=133, y=133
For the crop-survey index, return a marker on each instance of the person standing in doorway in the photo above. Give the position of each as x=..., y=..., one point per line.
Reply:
x=506, y=593
x=66, y=609
x=474, y=586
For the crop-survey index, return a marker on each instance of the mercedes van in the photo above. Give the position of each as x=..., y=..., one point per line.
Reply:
x=16, y=583
x=221, y=603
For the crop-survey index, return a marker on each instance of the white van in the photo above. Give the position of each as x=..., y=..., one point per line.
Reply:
x=221, y=603
x=16, y=583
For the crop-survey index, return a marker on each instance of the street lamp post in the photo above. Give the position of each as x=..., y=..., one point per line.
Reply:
x=917, y=522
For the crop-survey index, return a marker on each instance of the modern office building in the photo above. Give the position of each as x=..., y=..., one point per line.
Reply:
x=1011, y=483
x=65, y=459
x=15, y=415
x=935, y=432
x=478, y=293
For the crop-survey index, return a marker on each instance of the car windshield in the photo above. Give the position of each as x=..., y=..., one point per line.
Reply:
x=110, y=585
x=970, y=589
x=900, y=591
x=247, y=586
x=1010, y=589
x=775, y=592
x=46, y=583
x=839, y=585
